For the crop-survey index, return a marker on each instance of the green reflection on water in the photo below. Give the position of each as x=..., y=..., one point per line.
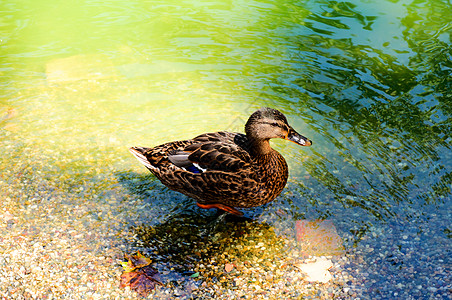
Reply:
x=391, y=121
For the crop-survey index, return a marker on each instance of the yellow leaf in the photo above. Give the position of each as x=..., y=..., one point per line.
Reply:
x=127, y=266
x=140, y=260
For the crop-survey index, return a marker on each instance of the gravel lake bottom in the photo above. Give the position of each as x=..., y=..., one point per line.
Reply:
x=66, y=240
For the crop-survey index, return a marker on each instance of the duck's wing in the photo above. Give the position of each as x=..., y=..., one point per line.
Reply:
x=219, y=151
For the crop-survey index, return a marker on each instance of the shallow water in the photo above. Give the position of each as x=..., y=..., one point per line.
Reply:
x=368, y=81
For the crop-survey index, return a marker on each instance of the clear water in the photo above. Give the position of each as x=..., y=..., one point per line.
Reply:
x=368, y=81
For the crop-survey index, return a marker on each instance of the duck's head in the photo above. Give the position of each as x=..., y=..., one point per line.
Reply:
x=268, y=123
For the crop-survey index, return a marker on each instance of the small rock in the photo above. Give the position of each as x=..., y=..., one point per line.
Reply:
x=317, y=271
x=228, y=267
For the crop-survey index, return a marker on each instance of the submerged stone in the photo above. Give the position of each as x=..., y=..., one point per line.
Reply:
x=318, y=238
x=80, y=67
x=317, y=271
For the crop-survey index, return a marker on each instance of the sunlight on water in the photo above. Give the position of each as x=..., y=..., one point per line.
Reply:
x=348, y=75
x=107, y=76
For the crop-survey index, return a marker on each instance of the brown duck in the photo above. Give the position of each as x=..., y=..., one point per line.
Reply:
x=224, y=169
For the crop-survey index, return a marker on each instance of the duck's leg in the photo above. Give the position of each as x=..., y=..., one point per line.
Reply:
x=226, y=208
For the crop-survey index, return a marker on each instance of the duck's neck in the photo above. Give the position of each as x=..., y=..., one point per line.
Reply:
x=260, y=147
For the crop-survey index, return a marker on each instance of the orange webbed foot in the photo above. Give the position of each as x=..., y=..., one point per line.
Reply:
x=223, y=207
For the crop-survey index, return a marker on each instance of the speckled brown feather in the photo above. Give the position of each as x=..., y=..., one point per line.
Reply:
x=235, y=173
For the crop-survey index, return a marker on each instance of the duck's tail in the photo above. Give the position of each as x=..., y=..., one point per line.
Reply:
x=139, y=153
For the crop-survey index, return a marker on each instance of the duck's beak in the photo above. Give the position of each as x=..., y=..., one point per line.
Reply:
x=297, y=138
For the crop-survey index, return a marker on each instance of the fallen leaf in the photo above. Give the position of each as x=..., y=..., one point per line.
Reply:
x=138, y=274
x=139, y=260
x=317, y=271
x=128, y=266
x=135, y=261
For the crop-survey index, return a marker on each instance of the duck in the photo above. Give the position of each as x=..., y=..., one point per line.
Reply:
x=226, y=170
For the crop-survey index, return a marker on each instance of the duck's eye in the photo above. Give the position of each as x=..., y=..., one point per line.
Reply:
x=274, y=124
